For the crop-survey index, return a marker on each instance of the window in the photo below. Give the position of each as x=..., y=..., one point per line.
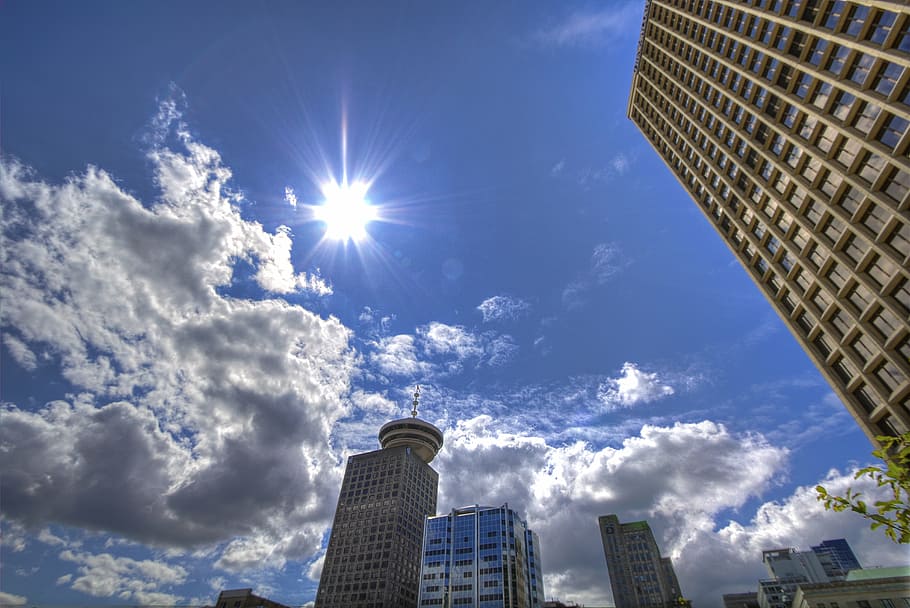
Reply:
x=896, y=184
x=892, y=131
x=886, y=78
x=855, y=248
x=899, y=239
x=859, y=68
x=821, y=94
x=870, y=167
x=803, y=82
x=865, y=117
x=837, y=59
x=879, y=30
x=832, y=15
x=856, y=19
x=817, y=51
x=846, y=152
x=875, y=218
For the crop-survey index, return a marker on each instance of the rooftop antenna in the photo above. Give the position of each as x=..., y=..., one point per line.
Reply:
x=416, y=402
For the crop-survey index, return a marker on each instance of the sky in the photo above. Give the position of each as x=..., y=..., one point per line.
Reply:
x=189, y=357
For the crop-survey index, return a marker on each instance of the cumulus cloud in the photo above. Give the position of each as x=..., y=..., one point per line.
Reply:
x=397, y=355
x=592, y=28
x=139, y=581
x=500, y=308
x=11, y=599
x=289, y=196
x=207, y=416
x=683, y=479
x=633, y=387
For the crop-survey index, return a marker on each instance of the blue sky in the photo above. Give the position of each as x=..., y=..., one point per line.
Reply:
x=187, y=361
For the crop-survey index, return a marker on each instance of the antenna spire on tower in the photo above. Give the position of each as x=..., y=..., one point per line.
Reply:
x=416, y=401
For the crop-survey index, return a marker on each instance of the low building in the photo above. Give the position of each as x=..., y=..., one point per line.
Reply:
x=741, y=600
x=244, y=598
x=875, y=588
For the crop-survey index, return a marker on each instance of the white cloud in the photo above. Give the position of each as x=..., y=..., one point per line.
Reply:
x=499, y=308
x=139, y=581
x=441, y=339
x=184, y=396
x=556, y=170
x=597, y=28
x=11, y=599
x=620, y=164
x=633, y=387
x=22, y=354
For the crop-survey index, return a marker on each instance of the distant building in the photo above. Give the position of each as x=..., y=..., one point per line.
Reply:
x=741, y=600
x=639, y=576
x=480, y=557
x=837, y=558
x=244, y=598
x=787, y=123
x=373, y=556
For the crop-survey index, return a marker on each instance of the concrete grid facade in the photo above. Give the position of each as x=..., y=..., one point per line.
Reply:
x=786, y=121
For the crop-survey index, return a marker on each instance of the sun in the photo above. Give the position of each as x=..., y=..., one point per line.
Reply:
x=345, y=212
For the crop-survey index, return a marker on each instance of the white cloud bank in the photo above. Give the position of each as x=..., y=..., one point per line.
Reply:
x=682, y=479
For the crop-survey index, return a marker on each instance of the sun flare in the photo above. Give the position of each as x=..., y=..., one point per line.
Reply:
x=345, y=212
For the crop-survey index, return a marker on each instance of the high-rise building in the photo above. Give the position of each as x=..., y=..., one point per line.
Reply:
x=836, y=558
x=786, y=121
x=639, y=576
x=482, y=557
x=373, y=556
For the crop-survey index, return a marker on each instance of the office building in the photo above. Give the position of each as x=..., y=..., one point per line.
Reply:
x=480, y=557
x=373, y=555
x=639, y=576
x=836, y=558
x=786, y=121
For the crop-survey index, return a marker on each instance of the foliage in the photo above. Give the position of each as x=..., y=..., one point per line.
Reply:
x=892, y=515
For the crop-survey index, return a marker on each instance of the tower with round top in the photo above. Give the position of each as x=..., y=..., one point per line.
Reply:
x=423, y=438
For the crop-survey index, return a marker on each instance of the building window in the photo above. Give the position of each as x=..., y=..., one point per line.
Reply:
x=886, y=78
x=837, y=59
x=892, y=131
x=881, y=27
x=856, y=20
x=865, y=117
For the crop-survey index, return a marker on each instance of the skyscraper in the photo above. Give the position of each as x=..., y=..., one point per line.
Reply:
x=639, y=576
x=482, y=557
x=836, y=558
x=373, y=556
x=786, y=121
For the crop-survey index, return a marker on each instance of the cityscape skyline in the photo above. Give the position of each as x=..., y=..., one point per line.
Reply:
x=190, y=354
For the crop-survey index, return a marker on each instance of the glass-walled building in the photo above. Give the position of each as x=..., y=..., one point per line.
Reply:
x=483, y=557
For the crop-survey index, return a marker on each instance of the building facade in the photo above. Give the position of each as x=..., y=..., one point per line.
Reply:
x=837, y=558
x=480, y=557
x=373, y=556
x=244, y=598
x=639, y=576
x=786, y=121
